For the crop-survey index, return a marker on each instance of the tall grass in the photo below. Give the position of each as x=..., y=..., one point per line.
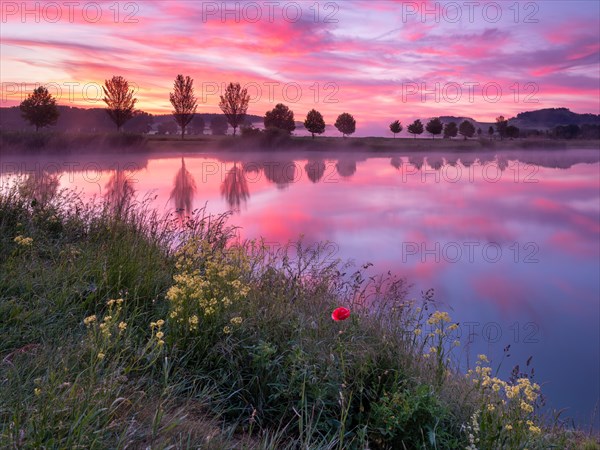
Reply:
x=126, y=329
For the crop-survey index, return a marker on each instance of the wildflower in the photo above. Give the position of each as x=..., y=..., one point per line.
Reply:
x=161, y=342
x=122, y=326
x=160, y=323
x=490, y=407
x=483, y=358
x=110, y=302
x=101, y=356
x=526, y=407
x=226, y=329
x=24, y=241
x=417, y=331
x=104, y=329
x=152, y=325
x=340, y=314
x=453, y=327
x=107, y=318
x=438, y=317
x=534, y=429
x=89, y=320
x=508, y=427
x=160, y=335
x=236, y=320
x=37, y=391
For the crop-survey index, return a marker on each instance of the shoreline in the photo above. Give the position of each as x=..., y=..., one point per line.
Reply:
x=85, y=143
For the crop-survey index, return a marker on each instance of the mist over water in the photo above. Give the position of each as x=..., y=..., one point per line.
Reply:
x=510, y=240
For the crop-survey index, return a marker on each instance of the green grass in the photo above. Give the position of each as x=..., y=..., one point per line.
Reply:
x=142, y=331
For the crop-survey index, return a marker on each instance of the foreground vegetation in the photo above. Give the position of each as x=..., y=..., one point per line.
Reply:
x=132, y=330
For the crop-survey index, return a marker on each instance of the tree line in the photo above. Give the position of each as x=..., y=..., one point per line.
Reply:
x=40, y=110
x=466, y=129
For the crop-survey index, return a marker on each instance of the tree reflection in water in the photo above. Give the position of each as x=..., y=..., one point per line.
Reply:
x=315, y=170
x=40, y=186
x=184, y=188
x=346, y=167
x=282, y=173
x=119, y=192
x=235, y=188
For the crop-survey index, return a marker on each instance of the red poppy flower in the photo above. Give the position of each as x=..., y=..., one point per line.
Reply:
x=340, y=314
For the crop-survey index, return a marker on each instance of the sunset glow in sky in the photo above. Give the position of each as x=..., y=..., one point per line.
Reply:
x=373, y=59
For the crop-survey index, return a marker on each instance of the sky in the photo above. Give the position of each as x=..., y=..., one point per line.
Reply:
x=378, y=60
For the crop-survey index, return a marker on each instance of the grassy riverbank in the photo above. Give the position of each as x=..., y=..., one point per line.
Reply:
x=13, y=142
x=123, y=329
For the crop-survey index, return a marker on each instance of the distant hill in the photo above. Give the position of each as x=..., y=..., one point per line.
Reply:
x=552, y=117
x=541, y=119
x=458, y=120
x=206, y=116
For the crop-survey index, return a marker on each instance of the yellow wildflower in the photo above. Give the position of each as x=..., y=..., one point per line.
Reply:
x=236, y=320
x=160, y=323
x=24, y=241
x=160, y=335
x=37, y=391
x=438, y=317
x=417, y=331
x=226, y=329
x=526, y=407
x=89, y=320
x=101, y=356
x=122, y=326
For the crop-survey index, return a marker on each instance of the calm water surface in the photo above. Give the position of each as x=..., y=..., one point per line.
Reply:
x=510, y=242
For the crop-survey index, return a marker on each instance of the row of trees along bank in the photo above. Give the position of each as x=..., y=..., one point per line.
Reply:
x=40, y=110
